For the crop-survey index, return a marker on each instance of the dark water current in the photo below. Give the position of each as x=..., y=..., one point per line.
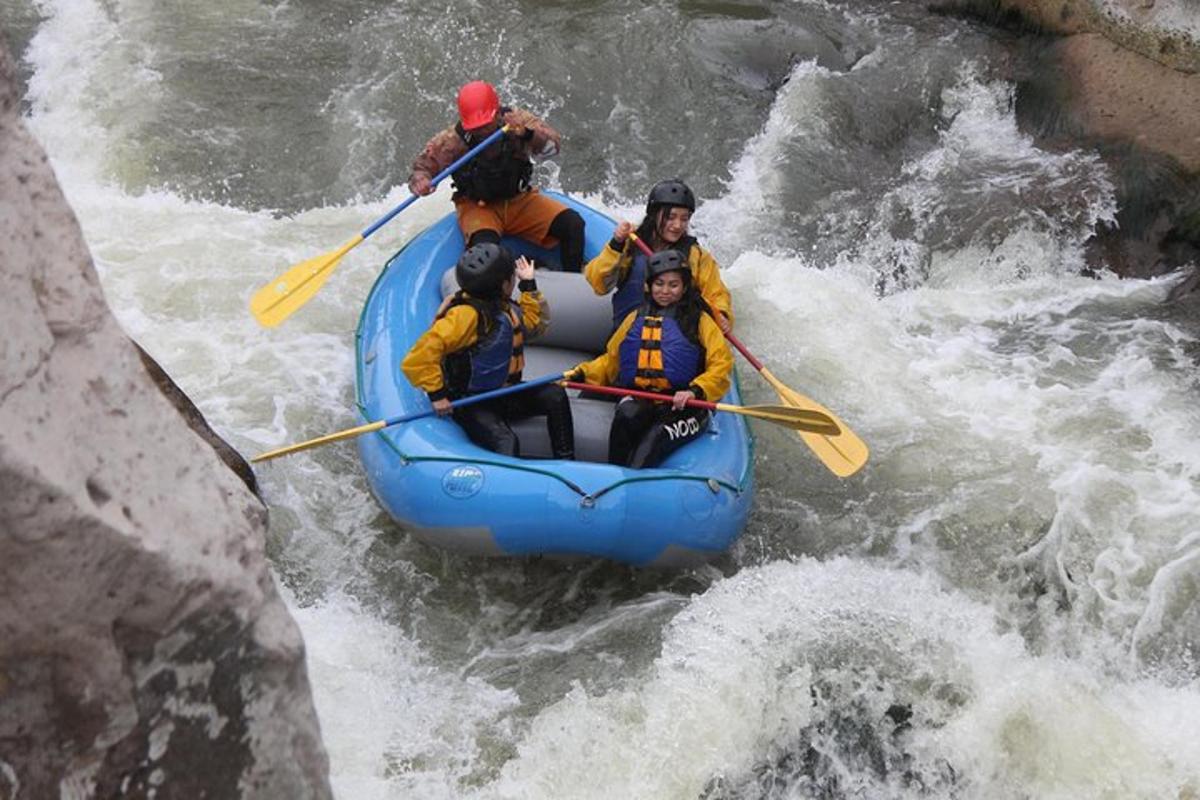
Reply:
x=1006, y=603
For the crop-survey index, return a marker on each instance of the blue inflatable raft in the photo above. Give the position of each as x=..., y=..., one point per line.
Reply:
x=451, y=493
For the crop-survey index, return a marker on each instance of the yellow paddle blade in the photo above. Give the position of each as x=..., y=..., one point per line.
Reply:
x=798, y=419
x=282, y=297
x=843, y=453
x=320, y=440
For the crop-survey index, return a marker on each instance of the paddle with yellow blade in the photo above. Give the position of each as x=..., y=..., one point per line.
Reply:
x=282, y=297
x=843, y=453
x=384, y=423
x=795, y=418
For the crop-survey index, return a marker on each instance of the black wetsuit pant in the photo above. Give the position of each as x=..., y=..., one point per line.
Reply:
x=643, y=432
x=487, y=423
x=567, y=227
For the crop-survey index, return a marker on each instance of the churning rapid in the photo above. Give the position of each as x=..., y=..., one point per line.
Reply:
x=1005, y=603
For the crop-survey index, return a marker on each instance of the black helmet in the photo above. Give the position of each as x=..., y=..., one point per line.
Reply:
x=483, y=269
x=667, y=261
x=671, y=193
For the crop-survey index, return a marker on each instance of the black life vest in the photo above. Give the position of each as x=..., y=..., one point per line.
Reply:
x=501, y=171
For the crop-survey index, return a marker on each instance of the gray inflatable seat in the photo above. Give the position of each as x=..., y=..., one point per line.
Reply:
x=580, y=325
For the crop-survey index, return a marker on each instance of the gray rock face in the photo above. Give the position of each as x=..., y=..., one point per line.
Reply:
x=144, y=649
x=1164, y=31
x=1130, y=69
x=1122, y=77
x=1117, y=94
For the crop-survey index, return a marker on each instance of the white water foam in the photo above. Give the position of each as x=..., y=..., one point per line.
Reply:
x=1043, y=403
x=394, y=724
x=767, y=657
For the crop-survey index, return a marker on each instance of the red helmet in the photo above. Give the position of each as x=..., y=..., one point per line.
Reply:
x=477, y=104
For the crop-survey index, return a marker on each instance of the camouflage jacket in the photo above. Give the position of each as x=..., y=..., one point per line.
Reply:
x=443, y=149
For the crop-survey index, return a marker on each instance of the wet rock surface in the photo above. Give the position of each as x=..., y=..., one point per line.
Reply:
x=1122, y=77
x=144, y=648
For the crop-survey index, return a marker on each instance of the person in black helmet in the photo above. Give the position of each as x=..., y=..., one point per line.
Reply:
x=620, y=267
x=476, y=345
x=670, y=344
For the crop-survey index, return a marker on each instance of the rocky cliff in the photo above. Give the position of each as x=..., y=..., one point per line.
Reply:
x=1122, y=76
x=144, y=649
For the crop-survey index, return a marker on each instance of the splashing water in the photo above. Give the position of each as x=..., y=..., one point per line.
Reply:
x=1005, y=602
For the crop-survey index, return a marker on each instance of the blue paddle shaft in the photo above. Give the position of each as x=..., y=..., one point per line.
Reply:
x=441, y=176
x=478, y=398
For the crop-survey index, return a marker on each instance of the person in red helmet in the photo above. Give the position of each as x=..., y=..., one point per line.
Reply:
x=494, y=192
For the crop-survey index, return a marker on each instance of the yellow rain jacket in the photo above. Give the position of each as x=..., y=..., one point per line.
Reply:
x=606, y=271
x=458, y=329
x=712, y=382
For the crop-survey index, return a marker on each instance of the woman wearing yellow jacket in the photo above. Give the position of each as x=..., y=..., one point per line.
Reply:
x=621, y=266
x=672, y=344
x=476, y=344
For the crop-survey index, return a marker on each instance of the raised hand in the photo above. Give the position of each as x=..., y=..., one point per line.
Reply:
x=524, y=269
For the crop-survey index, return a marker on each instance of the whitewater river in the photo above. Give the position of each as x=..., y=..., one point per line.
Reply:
x=1004, y=604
